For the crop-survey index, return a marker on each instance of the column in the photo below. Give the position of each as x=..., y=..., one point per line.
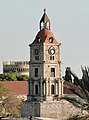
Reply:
x=31, y=88
x=50, y=88
x=46, y=87
x=56, y=87
x=59, y=92
x=41, y=88
x=62, y=87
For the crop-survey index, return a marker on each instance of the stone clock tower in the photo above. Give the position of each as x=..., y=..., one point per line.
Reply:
x=45, y=84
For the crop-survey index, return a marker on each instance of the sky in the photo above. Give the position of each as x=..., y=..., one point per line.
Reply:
x=19, y=24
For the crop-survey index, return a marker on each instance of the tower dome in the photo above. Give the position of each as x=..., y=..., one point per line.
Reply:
x=45, y=36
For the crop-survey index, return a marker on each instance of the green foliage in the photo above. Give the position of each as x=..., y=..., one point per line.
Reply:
x=68, y=75
x=22, y=77
x=85, y=78
x=81, y=100
x=77, y=117
x=13, y=77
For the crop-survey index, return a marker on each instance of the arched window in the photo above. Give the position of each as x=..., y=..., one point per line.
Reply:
x=52, y=89
x=19, y=70
x=36, y=89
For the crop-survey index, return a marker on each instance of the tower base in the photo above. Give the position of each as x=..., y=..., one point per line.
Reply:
x=60, y=110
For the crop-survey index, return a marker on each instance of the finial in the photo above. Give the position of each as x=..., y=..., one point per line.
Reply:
x=44, y=10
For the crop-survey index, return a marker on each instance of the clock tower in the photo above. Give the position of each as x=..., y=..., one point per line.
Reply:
x=45, y=82
x=45, y=64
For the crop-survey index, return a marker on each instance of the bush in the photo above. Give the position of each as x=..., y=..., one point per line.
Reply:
x=13, y=77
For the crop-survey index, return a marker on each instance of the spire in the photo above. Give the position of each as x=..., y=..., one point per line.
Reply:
x=44, y=22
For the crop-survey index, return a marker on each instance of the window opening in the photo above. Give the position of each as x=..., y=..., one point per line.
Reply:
x=51, y=39
x=52, y=89
x=36, y=89
x=36, y=57
x=51, y=57
x=52, y=72
x=36, y=51
x=38, y=39
x=36, y=72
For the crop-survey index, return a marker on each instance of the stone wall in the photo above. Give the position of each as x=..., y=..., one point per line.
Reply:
x=21, y=67
x=31, y=108
x=52, y=63
x=60, y=110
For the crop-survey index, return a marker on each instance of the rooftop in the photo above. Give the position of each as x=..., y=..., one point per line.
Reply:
x=17, y=87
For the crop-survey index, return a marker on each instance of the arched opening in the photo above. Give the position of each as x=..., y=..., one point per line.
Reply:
x=52, y=89
x=19, y=70
x=36, y=89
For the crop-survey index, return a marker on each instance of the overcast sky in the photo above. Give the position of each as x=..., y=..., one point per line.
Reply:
x=19, y=24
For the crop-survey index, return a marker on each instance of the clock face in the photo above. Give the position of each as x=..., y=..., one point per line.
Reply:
x=51, y=50
x=36, y=51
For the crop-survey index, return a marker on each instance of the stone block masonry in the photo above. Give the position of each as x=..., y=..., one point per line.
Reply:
x=60, y=110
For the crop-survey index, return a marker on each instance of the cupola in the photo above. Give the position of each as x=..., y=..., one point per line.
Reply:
x=45, y=35
x=44, y=22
